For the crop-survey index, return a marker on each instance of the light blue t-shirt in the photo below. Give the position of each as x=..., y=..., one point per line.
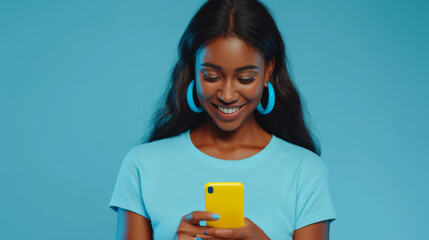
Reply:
x=285, y=185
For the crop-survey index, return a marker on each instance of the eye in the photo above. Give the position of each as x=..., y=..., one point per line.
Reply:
x=209, y=78
x=246, y=80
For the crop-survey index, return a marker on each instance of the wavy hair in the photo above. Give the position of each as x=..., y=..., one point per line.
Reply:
x=251, y=21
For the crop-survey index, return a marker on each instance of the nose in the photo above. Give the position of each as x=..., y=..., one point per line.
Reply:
x=227, y=94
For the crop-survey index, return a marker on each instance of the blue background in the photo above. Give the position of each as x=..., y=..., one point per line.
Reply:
x=81, y=79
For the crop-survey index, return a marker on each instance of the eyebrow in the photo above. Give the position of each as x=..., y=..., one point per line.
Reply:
x=236, y=70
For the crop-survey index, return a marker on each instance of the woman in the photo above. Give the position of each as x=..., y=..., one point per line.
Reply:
x=231, y=114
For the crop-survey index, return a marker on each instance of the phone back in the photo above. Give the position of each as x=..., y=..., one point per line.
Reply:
x=226, y=199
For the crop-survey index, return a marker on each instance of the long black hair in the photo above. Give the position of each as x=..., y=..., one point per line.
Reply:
x=251, y=21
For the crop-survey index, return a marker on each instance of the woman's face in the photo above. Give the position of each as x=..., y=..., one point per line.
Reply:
x=230, y=78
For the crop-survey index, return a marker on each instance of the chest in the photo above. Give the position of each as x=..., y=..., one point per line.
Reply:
x=266, y=202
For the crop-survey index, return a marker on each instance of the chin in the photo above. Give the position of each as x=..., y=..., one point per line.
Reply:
x=228, y=127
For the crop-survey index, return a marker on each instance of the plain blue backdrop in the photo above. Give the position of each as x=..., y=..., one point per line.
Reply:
x=80, y=81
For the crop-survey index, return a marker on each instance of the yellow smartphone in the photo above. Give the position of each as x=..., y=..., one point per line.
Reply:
x=227, y=200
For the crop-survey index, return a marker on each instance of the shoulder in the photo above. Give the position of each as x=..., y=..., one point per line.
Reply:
x=146, y=152
x=305, y=161
x=158, y=144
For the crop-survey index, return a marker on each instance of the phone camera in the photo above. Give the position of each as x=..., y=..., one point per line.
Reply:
x=210, y=189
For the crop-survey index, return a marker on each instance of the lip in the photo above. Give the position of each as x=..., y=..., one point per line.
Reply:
x=220, y=105
x=226, y=116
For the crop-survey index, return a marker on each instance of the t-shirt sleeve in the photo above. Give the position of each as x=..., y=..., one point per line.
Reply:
x=314, y=203
x=127, y=193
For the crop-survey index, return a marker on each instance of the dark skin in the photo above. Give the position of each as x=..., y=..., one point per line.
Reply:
x=228, y=73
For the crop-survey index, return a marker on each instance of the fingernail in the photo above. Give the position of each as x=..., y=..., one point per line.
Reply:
x=216, y=216
x=198, y=239
x=188, y=217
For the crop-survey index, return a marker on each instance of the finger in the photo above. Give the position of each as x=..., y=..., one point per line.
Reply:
x=188, y=229
x=203, y=233
x=196, y=216
x=204, y=236
x=217, y=238
x=208, y=237
x=233, y=233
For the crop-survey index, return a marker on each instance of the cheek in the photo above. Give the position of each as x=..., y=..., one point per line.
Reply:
x=252, y=93
x=205, y=91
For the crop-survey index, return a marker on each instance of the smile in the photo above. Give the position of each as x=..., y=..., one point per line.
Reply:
x=228, y=110
x=228, y=113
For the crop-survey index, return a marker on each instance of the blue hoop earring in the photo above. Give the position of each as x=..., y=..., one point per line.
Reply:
x=190, y=98
x=271, y=100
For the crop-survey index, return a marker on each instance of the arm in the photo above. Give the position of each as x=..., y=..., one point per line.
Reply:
x=133, y=226
x=316, y=231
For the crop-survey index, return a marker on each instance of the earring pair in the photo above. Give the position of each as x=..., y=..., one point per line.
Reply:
x=261, y=110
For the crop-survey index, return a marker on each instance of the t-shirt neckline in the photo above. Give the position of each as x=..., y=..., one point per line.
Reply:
x=259, y=157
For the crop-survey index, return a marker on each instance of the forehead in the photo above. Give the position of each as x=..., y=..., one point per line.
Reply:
x=229, y=53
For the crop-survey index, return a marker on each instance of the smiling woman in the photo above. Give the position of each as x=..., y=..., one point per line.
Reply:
x=230, y=81
x=231, y=114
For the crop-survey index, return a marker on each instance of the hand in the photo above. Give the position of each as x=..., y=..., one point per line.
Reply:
x=250, y=231
x=189, y=226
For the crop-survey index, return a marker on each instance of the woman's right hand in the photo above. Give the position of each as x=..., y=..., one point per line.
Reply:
x=190, y=228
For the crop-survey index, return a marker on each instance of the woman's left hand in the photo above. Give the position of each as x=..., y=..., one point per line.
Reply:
x=250, y=231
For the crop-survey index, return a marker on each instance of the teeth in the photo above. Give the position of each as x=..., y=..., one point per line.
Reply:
x=228, y=110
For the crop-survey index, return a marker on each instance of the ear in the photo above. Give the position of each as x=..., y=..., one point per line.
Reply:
x=269, y=68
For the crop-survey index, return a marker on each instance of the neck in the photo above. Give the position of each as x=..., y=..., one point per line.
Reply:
x=247, y=134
